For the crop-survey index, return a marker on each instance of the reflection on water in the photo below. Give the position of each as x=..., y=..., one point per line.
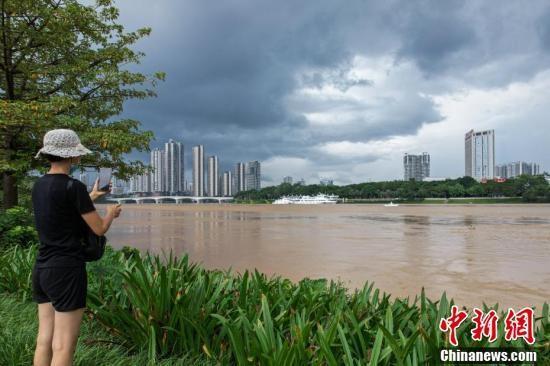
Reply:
x=475, y=253
x=460, y=221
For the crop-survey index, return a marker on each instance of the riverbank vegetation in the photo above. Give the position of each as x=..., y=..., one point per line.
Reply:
x=154, y=309
x=523, y=188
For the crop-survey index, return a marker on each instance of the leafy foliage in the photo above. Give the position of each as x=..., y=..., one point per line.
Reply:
x=17, y=228
x=66, y=65
x=16, y=265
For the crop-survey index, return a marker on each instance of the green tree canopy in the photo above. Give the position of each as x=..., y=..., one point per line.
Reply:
x=530, y=188
x=66, y=65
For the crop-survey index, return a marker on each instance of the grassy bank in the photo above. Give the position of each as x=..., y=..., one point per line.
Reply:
x=152, y=309
x=475, y=201
x=96, y=347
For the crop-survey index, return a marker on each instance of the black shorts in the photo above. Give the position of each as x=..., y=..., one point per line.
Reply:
x=64, y=287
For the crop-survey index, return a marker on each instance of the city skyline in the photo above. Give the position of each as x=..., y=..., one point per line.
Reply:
x=351, y=106
x=167, y=174
x=513, y=169
x=479, y=162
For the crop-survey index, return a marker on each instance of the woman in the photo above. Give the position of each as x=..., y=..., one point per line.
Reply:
x=59, y=280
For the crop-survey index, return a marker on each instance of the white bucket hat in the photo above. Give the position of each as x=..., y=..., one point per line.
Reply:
x=64, y=143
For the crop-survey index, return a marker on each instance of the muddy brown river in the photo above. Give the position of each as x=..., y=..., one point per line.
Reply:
x=476, y=253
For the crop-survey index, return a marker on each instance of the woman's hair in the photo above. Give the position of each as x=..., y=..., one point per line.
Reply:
x=53, y=158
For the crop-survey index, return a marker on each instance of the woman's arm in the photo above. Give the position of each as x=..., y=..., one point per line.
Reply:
x=99, y=225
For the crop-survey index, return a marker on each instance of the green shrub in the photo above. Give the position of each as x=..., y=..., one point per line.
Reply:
x=15, y=216
x=129, y=252
x=16, y=265
x=168, y=306
x=23, y=236
x=17, y=228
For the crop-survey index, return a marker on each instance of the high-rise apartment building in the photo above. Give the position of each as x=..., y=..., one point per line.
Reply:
x=157, y=175
x=511, y=170
x=213, y=176
x=287, y=179
x=416, y=167
x=480, y=154
x=198, y=171
x=326, y=182
x=535, y=169
x=253, y=175
x=174, y=167
x=140, y=183
x=239, y=182
x=227, y=184
x=120, y=186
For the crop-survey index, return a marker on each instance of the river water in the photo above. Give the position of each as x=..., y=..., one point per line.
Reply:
x=476, y=253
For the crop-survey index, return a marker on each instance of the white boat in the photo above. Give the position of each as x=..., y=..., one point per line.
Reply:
x=391, y=204
x=307, y=200
x=282, y=201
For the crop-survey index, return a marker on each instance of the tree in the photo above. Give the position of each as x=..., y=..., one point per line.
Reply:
x=66, y=65
x=456, y=190
x=475, y=191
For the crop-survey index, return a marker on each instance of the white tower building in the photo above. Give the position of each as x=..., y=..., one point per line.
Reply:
x=227, y=184
x=174, y=167
x=157, y=175
x=480, y=154
x=198, y=171
x=213, y=176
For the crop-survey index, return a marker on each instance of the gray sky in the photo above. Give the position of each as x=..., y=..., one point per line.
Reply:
x=342, y=89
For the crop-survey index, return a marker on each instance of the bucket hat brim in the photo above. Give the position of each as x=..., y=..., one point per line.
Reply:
x=64, y=152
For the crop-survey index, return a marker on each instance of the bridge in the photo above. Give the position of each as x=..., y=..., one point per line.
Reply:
x=164, y=199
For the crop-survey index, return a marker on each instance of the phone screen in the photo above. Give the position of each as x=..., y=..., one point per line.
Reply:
x=105, y=178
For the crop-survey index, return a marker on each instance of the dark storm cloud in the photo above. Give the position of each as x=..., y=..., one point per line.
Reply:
x=434, y=33
x=474, y=42
x=232, y=65
x=338, y=78
x=229, y=67
x=543, y=30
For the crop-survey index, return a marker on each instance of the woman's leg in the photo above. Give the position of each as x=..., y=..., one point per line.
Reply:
x=65, y=335
x=43, y=352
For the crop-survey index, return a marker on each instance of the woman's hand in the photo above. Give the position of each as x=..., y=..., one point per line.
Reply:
x=114, y=210
x=98, y=224
x=96, y=193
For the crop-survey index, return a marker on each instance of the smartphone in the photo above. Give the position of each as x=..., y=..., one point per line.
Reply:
x=105, y=178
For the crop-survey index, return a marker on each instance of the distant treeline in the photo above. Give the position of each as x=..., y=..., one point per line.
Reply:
x=530, y=188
